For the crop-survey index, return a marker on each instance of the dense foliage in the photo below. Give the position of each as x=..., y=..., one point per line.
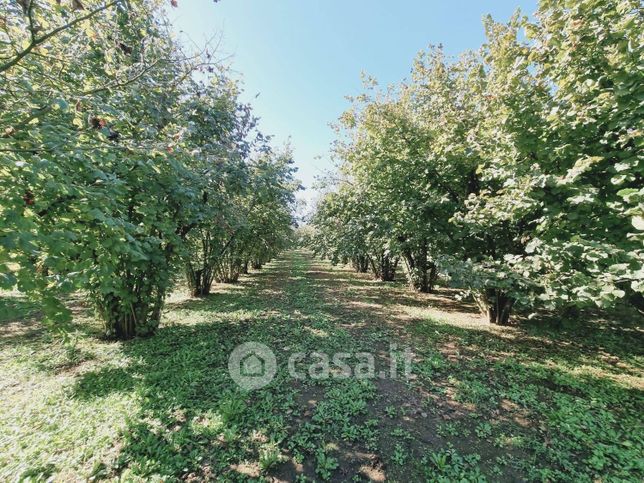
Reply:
x=515, y=171
x=248, y=224
x=116, y=146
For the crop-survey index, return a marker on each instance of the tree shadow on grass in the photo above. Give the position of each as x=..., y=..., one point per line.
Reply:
x=220, y=302
x=542, y=409
x=607, y=346
x=443, y=299
x=615, y=343
x=96, y=384
x=192, y=420
x=18, y=318
x=21, y=318
x=23, y=334
x=14, y=306
x=186, y=399
x=565, y=397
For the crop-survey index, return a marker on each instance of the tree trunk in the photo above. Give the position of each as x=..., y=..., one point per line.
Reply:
x=229, y=269
x=200, y=291
x=121, y=328
x=389, y=269
x=244, y=267
x=364, y=263
x=422, y=271
x=126, y=319
x=385, y=268
x=432, y=277
x=199, y=281
x=498, y=306
x=256, y=265
x=360, y=263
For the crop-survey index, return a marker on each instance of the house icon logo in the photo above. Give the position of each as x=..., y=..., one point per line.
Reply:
x=252, y=365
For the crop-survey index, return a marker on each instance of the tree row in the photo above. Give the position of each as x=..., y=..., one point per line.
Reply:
x=126, y=159
x=513, y=172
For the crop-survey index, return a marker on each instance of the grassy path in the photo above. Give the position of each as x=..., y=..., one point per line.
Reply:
x=481, y=404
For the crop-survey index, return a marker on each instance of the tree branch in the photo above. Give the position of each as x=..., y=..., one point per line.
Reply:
x=39, y=40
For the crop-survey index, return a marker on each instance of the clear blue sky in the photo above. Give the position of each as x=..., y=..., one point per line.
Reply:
x=304, y=56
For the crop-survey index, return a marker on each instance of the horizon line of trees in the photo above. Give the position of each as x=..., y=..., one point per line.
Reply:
x=513, y=172
x=125, y=159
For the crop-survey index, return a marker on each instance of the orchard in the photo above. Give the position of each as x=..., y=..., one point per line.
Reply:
x=214, y=266
x=124, y=160
x=513, y=172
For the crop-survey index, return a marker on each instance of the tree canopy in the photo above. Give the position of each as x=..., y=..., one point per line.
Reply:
x=514, y=171
x=120, y=149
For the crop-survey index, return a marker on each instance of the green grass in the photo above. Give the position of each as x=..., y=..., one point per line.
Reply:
x=553, y=401
x=534, y=403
